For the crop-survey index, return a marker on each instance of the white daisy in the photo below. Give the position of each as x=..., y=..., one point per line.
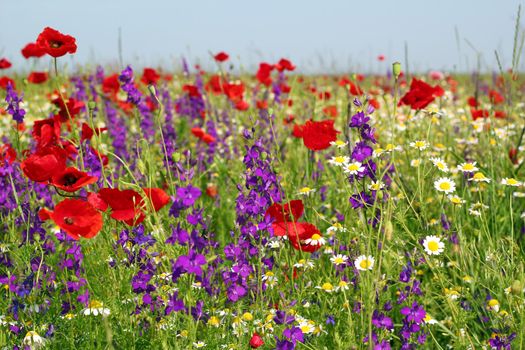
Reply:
x=468, y=167
x=433, y=245
x=419, y=144
x=364, y=262
x=316, y=239
x=34, y=341
x=445, y=184
x=440, y=164
x=455, y=199
x=339, y=161
x=479, y=177
x=338, y=143
x=339, y=259
x=511, y=182
x=354, y=168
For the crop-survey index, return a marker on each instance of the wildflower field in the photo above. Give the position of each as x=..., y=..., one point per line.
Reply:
x=143, y=208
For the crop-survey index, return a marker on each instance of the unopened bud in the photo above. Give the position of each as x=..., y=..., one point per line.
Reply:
x=92, y=105
x=176, y=156
x=396, y=69
x=516, y=288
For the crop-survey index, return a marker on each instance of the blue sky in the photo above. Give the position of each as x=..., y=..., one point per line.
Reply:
x=324, y=35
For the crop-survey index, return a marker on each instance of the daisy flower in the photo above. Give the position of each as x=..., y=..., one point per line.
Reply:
x=354, y=168
x=433, y=245
x=479, y=177
x=199, y=344
x=338, y=143
x=445, y=184
x=33, y=340
x=468, y=167
x=455, y=199
x=419, y=144
x=493, y=304
x=415, y=163
x=342, y=285
x=364, y=262
x=339, y=160
x=339, y=259
x=96, y=308
x=327, y=287
x=376, y=186
x=305, y=191
x=511, y=182
x=305, y=263
x=316, y=239
x=337, y=227
x=440, y=164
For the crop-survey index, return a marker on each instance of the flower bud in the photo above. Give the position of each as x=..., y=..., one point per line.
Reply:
x=396, y=69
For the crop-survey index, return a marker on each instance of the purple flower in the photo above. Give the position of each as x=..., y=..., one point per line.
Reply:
x=381, y=321
x=359, y=120
x=416, y=313
x=361, y=151
x=294, y=334
x=13, y=102
x=188, y=195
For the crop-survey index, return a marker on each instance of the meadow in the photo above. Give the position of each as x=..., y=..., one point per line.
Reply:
x=143, y=208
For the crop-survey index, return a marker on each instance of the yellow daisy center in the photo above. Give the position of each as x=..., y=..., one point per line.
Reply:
x=365, y=264
x=445, y=186
x=433, y=246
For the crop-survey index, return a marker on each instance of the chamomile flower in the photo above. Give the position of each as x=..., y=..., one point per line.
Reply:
x=468, y=167
x=429, y=319
x=339, y=160
x=305, y=264
x=376, y=185
x=338, y=143
x=354, y=168
x=440, y=164
x=433, y=245
x=33, y=340
x=96, y=308
x=339, y=259
x=479, y=177
x=509, y=181
x=306, y=327
x=270, y=278
x=415, y=163
x=214, y=321
x=337, y=227
x=455, y=199
x=493, y=305
x=316, y=240
x=364, y=262
x=419, y=144
x=327, y=287
x=342, y=285
x=199, y=344
x=305, y=191
x=444, y=184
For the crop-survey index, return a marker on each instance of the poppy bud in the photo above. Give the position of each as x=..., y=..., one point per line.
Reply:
x=256, y=341
x=176, y=156
x=513, y=155
x=92, y=105
x=516, y=288
x=396, y=69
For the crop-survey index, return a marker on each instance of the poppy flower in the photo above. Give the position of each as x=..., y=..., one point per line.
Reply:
x=87, y=132
x=221, y=57
x=72, y=179
x=46, y=132
x=284, y=64
x=234, y=92
x=318, y=135
x=111, y=84
x=298, y=233
x=41, y=166
x=242, y=105
x=32, y=50
x=513, y=155
x=263, y=74
x=330, y=111
x=381, y=58
x=76, y=217
x=37, y=77
x=472, y=102
x=7, y=154
x=158, y=197
x=150, y=76
x=5, y=80
x=207, y=139
x=500, y=114
x=70, y=109
x=192, y=90
x=256, y=341
x=126, y=205
x=479, y=113
x=56, y=44
x=495, y=97
x=420, y=94
x=4, y=63
x=298, y=131
x=287, y=212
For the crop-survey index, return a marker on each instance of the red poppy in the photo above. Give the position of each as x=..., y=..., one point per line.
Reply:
x=374, y=103
x=479, y=113
x=284, y=64
x=72, y=179
x=56, y=44
x=234, y=91
x=125, y=205
x=6, y=80
x=87, y=132
x=207, y=138
x=242, y=105
x=256, y=341
x=298, y=233
x=45, y=163
x=221, y=56
x=76, y=217
x=211, y=191
x=37, y=77
x=298, y=131
x=513, y=155
x=420, y=94
x=192, y=90
x=111, y=85
x=261, y=104
x=4, y=63
x=69, y=109
x=318, y=135
x=287, y=212
x=381, y=58
x=263, y=75
x=159, y=199
x=330, y=111
x=7, y=154
x=150, y=76
x=46, y=132
x=355, y=89
x=472, y=102
x=32, y=50
x=215, y=84
x=495, y=97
